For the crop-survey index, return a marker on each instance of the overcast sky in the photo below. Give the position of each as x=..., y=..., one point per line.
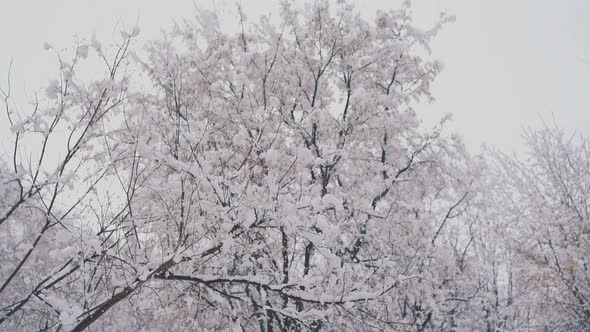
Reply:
x=507, y=63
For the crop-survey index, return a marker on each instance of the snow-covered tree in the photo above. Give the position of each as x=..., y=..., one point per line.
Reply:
x=53, y=166
x=273, y=179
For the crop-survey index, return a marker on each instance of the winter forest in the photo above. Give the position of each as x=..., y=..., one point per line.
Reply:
x=279, y=179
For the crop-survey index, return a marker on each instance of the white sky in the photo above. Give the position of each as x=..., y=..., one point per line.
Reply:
x=507, y=63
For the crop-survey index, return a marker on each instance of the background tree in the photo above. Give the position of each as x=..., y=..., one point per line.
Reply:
x=547, y=229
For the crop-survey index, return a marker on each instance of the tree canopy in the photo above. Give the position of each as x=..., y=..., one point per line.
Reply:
x=278, y=179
